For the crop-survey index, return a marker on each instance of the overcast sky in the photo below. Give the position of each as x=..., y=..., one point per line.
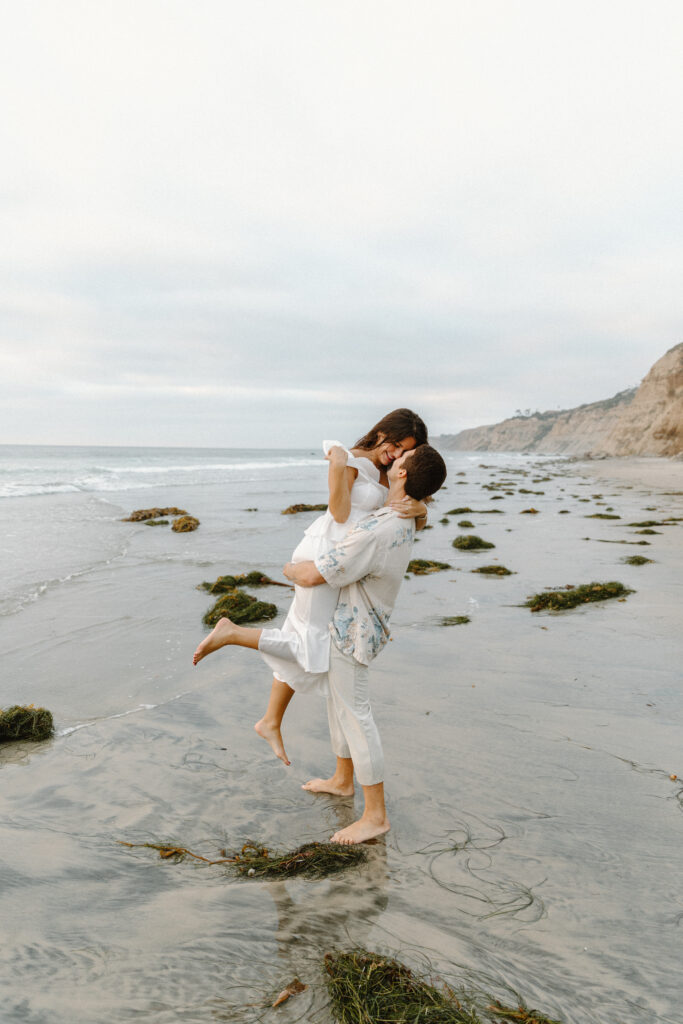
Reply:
x=272, y=221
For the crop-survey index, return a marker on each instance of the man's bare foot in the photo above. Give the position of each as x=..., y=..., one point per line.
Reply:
x=273, y=736
x=361, y=831
x=221, y=635
x=337, y=787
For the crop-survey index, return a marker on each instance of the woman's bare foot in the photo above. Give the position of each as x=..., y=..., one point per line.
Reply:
x=361, y=831
x=337, y=787
x=221, y=635
x=272, y=735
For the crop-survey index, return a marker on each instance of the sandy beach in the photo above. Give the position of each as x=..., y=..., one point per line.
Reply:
x=660, y=474
x=536, y=827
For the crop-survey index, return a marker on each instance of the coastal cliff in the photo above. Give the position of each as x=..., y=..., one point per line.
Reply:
x=639, y=421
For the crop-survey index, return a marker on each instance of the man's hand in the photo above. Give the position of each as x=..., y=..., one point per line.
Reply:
x=409, y=508
x=303, y=574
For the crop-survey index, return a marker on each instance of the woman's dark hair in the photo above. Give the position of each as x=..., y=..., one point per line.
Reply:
x=394, y=427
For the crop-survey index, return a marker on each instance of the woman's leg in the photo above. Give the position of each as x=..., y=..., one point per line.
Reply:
x=227, y=632
x=268, y=727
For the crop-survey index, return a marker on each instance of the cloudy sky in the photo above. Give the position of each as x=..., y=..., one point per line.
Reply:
x=269, y=221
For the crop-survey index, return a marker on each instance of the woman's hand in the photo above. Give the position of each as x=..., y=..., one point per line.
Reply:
x=337, y=455
x=409, y=508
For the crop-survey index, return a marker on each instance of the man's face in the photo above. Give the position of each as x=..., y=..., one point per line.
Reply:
x=393, y=471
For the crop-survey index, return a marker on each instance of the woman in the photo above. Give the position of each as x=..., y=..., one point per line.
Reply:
x=298, y=653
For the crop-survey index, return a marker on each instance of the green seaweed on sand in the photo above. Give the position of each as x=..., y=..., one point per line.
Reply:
x=422, y=566
x=24, y=722
x=314, y=860
x=638, y=543
x=367, y=988
x=465, y=524
x=256, y=578
x=239, y=607
x=141, y=514
x=493, y=570
x=559, y=600
x=293, y=509
x=156, y=522
x=474, y=512
x=455, y=620
x=169, y=851
x=470, y=542
x=529, y=512
x=602, y=515
x=521, y=1014
x=648, y=522
x=185, y=524
x=636, y=560
x=444, y=521
x=649, y=532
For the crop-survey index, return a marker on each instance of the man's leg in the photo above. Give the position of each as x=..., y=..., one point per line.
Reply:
x=373, y=822
x=227, y=632
x=341, y=783
x=268, y=727
x=355, y=737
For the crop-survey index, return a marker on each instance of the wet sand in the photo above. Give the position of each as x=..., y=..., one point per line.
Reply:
x=650, y=472
x=536, y=832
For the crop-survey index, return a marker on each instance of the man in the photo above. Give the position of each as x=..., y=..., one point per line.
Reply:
x=368, y=566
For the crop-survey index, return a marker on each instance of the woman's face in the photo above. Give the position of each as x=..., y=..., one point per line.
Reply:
x=387, y=451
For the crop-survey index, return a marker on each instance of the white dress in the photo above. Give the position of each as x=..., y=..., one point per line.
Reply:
x=299, y=652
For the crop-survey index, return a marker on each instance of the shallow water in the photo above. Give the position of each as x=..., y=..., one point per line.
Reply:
x=536, y=833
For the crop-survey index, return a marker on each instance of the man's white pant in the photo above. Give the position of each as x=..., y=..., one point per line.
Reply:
x=352, y=728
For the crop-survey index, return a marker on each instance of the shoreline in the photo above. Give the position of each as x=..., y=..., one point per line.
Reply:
x=648, y=471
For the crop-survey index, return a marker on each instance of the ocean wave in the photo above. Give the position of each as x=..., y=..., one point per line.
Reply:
x=32, y=592
x=101, y=478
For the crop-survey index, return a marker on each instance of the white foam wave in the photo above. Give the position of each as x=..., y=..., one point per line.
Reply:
x=137, y=477
x=121, y=714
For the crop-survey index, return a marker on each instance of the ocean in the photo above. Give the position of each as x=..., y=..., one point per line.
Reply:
x=536, y=828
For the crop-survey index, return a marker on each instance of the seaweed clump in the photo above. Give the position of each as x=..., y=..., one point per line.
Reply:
x=422, y=566
x=493, y=570
x=141, y=514
x=239, y=607
x=558, y=600
x=520, y=1013
x=455, y=620
x=256, y=578
x=156, y=522
x=186, y=524
x=470, y=542
x=637, y=560
x=314, y=860
x=293, y=509
x=602, y=515
x=25, y=723
x=366, y=988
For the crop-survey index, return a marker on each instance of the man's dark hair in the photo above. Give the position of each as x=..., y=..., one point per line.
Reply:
x=394, y=427
x=425, y=472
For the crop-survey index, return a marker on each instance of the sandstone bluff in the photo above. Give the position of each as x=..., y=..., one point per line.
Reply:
x=641, y=421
